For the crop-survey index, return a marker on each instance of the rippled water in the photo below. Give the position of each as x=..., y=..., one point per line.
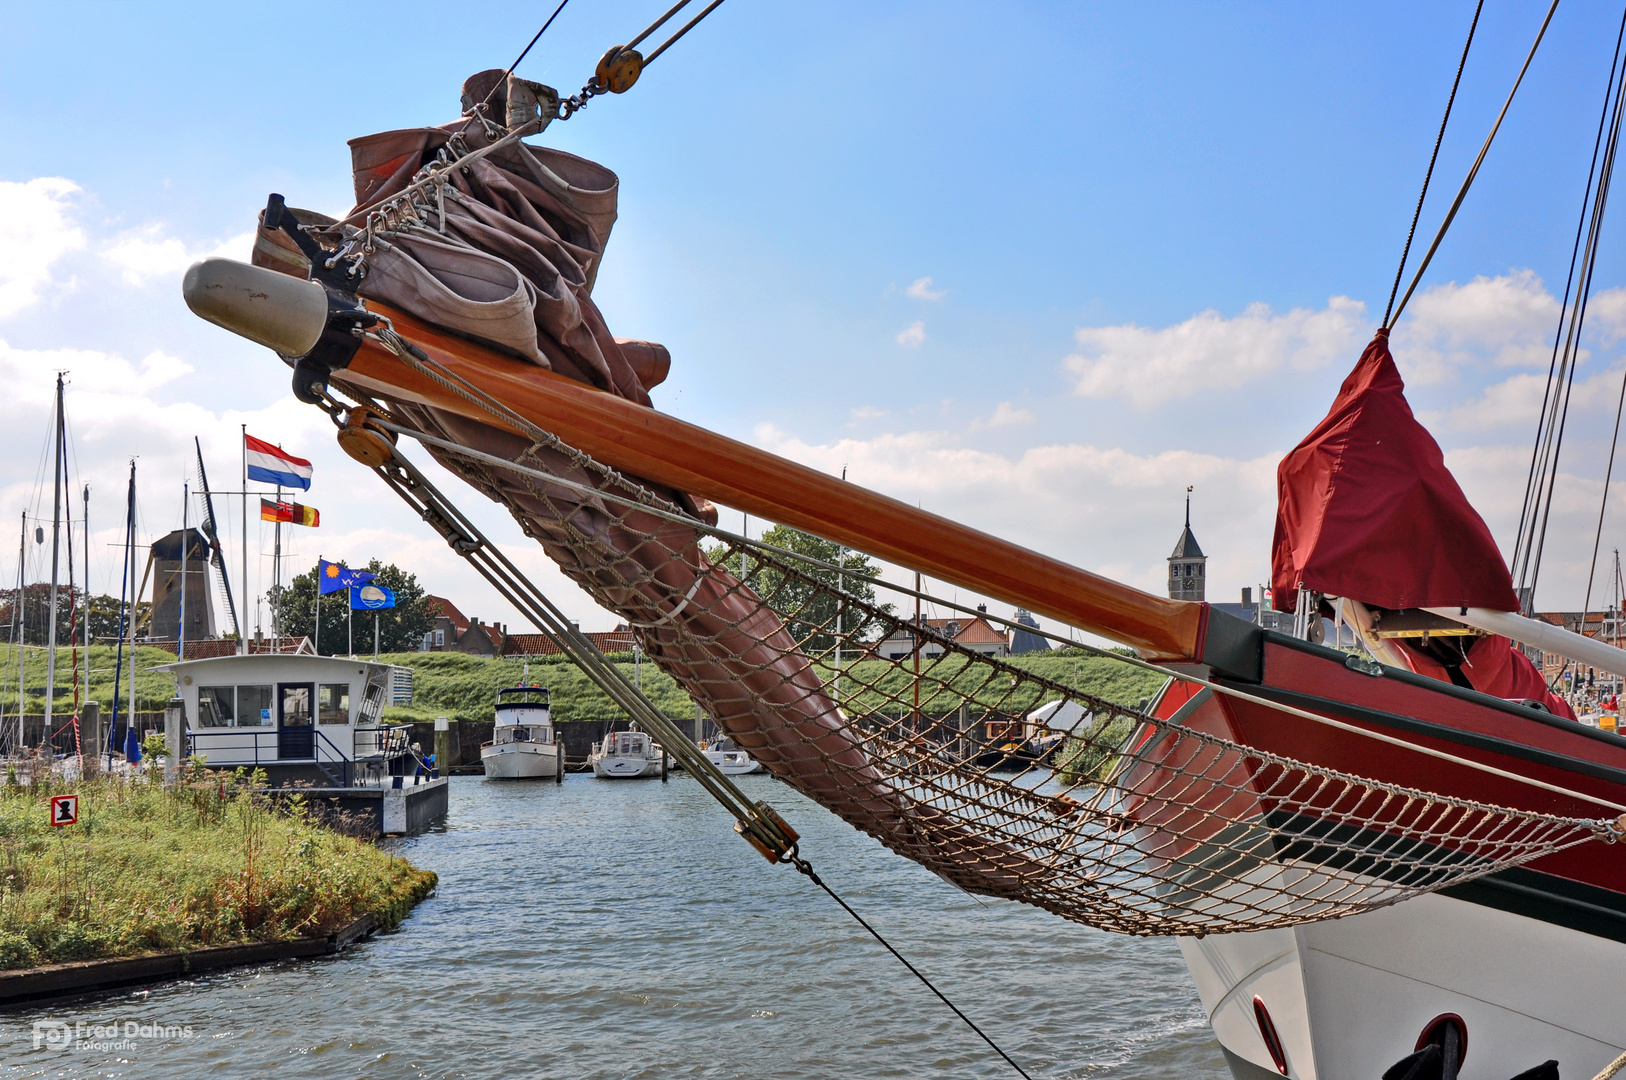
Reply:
x=620, y=929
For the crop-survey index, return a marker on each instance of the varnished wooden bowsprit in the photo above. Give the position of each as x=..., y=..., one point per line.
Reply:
x=669, y=451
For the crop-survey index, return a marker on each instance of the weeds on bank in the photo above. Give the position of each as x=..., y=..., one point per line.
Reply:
x=206, y=861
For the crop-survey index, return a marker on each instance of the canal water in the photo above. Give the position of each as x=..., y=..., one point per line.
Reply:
x=619, y=929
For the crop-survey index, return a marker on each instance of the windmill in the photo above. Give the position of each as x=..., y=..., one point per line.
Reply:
x=211, y=532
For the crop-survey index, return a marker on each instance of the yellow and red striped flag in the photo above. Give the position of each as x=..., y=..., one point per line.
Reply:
x=291, y=512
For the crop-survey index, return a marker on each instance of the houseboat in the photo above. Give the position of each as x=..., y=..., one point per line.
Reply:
x=311, y=722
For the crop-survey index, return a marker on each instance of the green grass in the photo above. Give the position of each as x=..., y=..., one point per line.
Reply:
x=153, y=688
x=203, y=863
x=464, y=688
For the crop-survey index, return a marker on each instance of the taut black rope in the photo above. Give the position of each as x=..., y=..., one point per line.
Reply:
x=1405, y=252
x=806, y=869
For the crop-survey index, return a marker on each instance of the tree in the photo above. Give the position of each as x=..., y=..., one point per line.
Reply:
x=36, y=612
x=400, y=629
x=809, y=607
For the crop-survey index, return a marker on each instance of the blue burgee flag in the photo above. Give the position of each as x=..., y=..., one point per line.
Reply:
x=132, y=746
x=331, y=577
x=371, y=597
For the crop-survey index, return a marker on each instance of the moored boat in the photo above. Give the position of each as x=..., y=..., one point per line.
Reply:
x=626, y=755
x=730, y=759
x=523, y=743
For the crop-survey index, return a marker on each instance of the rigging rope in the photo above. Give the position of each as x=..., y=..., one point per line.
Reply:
x=1462, y=193
x=525, y=51
x=678, y=517
x=806, y=869
x=1405, y=252
x=1148, y=831
x=1542, y=481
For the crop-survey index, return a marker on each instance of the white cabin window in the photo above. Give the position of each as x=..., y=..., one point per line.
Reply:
x=254, y=707
x=333, y=703
x=217, y=706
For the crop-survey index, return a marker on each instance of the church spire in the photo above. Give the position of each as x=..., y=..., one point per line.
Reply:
x=1188, y=566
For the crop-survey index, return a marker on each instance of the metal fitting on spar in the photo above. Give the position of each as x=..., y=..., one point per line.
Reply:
x=313, y=326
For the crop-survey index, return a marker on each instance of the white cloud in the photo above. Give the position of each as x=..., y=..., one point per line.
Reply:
x=1505, y=321
x=1056, y=498
x=866, y=412
x=1209, y=351
x=149, y=252
x=1004, y=415
x=1515, y=403
x=913, y=335
x=921, y=289
x=36, y=229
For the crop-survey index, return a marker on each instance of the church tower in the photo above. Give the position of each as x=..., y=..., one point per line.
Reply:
x=1187, y=566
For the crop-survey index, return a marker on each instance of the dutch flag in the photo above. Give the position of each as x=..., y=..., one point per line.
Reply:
x=269, y=465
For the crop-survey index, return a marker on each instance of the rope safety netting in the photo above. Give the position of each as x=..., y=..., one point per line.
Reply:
x=1002, y=781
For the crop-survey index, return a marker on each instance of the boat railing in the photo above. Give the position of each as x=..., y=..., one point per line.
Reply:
x=253, y=747
x=385, y=741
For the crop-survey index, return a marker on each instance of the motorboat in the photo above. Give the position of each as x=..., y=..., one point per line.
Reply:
x=730, y=759
x=523, y=744
x=626, y=755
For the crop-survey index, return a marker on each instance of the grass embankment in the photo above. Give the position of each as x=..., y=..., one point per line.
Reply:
x=153, y=688
x=464, y=687
x=153, y=869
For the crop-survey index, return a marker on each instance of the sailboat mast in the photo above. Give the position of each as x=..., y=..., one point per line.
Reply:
x=56, y=553
x=180, y=632
x=19, y=624
x=126, y=613
x=85, y=617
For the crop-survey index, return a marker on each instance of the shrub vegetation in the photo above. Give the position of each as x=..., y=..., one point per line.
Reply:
x=205, y=862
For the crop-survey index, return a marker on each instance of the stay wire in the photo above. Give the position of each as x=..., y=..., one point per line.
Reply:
x=806, y=870
x=526, y=51
x=1620, y=405
x=1572, y=340
x=1405, y=252
x=690, y=25
x=1468, y=181
x=1548, y=442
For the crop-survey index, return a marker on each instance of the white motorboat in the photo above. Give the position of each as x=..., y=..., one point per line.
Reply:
x=625, y=755
x=730, y=759
x=523, y=745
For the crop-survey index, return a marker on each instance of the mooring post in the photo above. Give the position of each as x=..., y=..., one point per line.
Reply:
x=443, y=746
x=174, y=731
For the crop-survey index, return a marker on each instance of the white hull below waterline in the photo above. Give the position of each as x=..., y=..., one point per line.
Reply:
x=618, y=767
x=521, y=761
x=733, y=762
x=1350, y=997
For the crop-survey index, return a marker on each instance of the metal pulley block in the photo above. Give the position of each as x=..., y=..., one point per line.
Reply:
x=366, y=441
x=618, y=69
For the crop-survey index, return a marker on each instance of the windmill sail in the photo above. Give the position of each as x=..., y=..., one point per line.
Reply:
x=210, y=530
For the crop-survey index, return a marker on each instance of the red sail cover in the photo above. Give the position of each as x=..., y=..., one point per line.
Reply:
x=1367, y=509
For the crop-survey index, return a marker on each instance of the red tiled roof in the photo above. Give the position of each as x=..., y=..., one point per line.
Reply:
x=208, y=648
x=439, y=605
x=615, y=641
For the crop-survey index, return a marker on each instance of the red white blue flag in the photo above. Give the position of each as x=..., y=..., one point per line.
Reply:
x=271, y=465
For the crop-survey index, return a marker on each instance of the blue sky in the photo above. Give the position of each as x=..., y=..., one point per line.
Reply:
x=1156, y=238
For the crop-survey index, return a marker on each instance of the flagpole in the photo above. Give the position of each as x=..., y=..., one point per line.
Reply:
x=276, y=581
x=316, y=636
x=180, y=630
x=350, y=622
x=375, y=637
x=242, y=631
